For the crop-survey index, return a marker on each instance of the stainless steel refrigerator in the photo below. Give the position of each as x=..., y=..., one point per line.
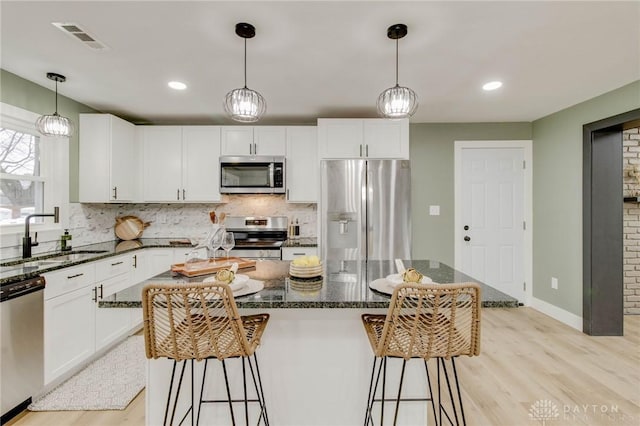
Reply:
x=365, y=210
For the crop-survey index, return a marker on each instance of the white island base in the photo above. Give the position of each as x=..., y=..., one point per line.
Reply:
x=315, y=366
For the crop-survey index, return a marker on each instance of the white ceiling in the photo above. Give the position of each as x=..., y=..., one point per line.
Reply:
x=327, y=59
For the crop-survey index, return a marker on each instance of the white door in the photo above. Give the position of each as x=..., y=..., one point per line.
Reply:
x=492, y=218
x=200, y=163
x=162, y=163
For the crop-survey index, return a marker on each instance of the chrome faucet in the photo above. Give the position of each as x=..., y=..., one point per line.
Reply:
x=26, y=240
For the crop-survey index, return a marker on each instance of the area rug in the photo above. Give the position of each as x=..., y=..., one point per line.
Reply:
x=109, y=383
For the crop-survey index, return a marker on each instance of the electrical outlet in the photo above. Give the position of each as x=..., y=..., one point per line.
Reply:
x=434, y=210
x=554, y=283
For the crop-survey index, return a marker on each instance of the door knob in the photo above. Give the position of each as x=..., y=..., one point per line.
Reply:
x=466, y=227
x=467, y=238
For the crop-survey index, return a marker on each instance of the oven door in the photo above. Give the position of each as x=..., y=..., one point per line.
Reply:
x=256, y=253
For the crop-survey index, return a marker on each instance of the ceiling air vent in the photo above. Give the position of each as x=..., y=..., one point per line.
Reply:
x=78, y=33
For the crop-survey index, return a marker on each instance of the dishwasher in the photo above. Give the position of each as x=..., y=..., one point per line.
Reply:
x=22, y=343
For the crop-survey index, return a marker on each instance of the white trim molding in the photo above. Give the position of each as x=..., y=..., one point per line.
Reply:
x=565, y=317
x=527, y=146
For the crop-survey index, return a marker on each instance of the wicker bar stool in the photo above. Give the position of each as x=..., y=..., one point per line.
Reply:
x=200, y=321
x=424, y=321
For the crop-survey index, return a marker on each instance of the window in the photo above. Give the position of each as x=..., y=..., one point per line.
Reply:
x=34, y=176
x=21, y=186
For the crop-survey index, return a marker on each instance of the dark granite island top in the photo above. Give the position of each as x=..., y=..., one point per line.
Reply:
x=345, y=285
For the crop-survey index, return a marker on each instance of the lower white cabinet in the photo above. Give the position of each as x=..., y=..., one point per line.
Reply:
x=69, y=329
x=111, y=323
x=290, y=253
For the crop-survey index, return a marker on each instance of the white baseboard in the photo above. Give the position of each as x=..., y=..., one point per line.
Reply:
x=565, y=317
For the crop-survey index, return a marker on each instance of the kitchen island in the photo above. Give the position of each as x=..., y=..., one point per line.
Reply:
x=315, y=359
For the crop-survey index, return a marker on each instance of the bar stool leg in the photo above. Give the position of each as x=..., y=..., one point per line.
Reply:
x=433, y=403
x=244, y=387
x=395, y=416
x=453, y=403
x=455, y=374
x=166, y=410
x=204, y=377
x=367, y=414
x=259, y=391
x=226, y=382
x=175, y=402
x=384, y=382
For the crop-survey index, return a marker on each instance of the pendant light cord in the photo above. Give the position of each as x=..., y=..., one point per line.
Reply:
x=56, y=96
x=245, y=63
x=396, y=62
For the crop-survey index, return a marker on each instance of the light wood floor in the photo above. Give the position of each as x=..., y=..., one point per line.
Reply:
x=526, y=357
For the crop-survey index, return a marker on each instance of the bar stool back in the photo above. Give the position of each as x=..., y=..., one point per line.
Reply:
x=425, y=321
x=200, y=321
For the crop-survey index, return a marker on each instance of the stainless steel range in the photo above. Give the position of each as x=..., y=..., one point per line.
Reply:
x=257, y=237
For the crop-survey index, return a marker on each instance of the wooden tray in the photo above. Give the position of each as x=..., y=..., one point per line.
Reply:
x=209, y=266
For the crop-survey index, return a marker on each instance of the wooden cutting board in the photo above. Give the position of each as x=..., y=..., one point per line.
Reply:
x=129, y=227
x=210, y=266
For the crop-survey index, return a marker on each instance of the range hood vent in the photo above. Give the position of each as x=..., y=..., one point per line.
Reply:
x=75, y=31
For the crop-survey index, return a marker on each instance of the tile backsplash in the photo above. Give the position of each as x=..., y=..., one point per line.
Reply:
x=93, y=223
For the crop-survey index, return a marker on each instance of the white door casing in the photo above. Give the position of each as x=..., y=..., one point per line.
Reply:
x=493, y=198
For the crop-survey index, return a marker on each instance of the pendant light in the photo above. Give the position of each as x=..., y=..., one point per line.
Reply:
x=244, y=104
x=55, y=124
x=398, y=101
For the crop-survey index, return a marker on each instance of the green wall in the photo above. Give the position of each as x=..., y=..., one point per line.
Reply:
x=27, y=95
x=557, y=194
x=432, y=179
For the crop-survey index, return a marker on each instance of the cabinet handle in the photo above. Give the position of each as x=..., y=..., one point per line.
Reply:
x=255, y=149
x=135, y=260
x=101, y=291
x=184, y=196
x=115, y=192
x=360, y=150
x=250, y=148
x=95, y=294
x=69, y=277
x=299, y=254
x=117, y=263
x=178, y=193
x=366, y=150
x=287, y=194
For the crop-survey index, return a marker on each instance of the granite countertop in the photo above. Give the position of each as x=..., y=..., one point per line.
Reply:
x=345, y=285
x=301, y=242
x=13, y=270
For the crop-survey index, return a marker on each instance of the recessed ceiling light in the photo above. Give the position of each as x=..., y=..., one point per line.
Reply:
x=177, y=85
x=492, y=85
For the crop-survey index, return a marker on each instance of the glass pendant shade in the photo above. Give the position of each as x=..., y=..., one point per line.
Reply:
x=54, y=125
x=397, y=102
x=245, y=105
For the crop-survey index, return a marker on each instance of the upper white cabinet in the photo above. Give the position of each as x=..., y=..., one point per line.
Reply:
x=180, y=164
x=108, y=160
x=303, y=167
x=253, y=140
x=363, y=138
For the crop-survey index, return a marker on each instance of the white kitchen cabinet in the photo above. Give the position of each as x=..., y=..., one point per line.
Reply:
x=363, y=138
x=180, y=163
x=69, y=330
x=253, y=140
x=303, y=166
x=111, y=323
x=290, y=253
x=160, y=260
x=140, y=268
x=108, y=160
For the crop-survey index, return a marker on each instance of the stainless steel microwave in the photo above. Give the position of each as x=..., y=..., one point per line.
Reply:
x=252, y=175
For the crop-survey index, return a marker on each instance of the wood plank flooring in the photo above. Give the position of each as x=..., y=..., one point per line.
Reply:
x=526, y=357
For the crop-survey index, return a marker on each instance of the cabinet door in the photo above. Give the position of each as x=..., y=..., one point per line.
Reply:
x=269, y=140
x=340, y=138
x=68, y=331
x=160, y=260
x=303, y=166
x=386, y=138
x=111, y=323
x=124, y=161
x=162, y=163
x=236, y=140
x=200, y=163
x=140, y=269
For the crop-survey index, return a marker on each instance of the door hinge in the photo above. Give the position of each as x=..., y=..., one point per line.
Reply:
x=524, y=225
x=524, y=164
